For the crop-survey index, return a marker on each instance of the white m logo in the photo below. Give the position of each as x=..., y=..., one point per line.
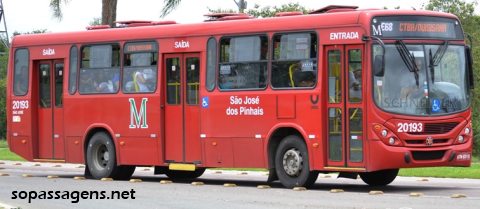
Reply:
x=138, y=119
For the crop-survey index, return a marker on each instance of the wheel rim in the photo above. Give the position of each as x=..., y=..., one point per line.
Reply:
x=102, y=156
x=292, y=162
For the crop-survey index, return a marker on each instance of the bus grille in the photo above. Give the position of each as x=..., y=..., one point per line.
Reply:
x=436, y=128
x=422, y=141
x=428, y=155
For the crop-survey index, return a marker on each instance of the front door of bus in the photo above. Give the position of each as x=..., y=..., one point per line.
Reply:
x=345, y=112
x=50, y=109
x=182, y=111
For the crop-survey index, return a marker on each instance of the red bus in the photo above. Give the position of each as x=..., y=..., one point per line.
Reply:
x=359, y=92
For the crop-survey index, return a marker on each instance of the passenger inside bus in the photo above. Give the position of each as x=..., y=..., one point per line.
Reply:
x=304, y=78
x=225, y=83
x=86, y=84
x=102, y=84
x=355, y=84
x=139, y=81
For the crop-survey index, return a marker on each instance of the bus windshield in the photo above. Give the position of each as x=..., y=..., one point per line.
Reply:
x=435, y=83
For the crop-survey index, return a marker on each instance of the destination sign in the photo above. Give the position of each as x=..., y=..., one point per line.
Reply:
x=416, y=27
x=140, y=47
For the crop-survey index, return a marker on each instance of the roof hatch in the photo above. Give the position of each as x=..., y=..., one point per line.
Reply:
x=334, y=8
x=227, y=16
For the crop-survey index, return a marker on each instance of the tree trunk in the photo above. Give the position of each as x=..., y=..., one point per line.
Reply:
x=109, y=12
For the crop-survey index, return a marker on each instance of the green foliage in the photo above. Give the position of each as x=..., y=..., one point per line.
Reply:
x=460, y=8
x=56, y=6
x=95, y=21
x=36, y=31
x=465, y=12
x=268, y=11
x=210, y=10
x=3, y=91
x=170, y=5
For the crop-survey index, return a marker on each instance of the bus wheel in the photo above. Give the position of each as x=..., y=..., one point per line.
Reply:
x=291, y=163
x=174, y=174
x=379, y=178
x=101, y=159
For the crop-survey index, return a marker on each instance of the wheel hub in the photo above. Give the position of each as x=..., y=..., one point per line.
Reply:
x=292, y=162
x=103, y=156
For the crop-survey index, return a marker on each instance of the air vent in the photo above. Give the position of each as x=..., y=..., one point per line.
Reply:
x=422, y=142
x=334, y=8
x=98, y=27
x=436, y=128
x=227, y=16
x=428, y=155
x=140, y=23
x=285, y=14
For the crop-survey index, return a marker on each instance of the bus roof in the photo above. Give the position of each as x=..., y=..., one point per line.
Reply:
x=243, y=26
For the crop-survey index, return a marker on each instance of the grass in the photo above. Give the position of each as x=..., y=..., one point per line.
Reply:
x=5, y=153
x=3, y=143
x=472, y=172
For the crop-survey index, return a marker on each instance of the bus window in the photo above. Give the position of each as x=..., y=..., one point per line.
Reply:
x=20, y=76
x=173, y=80
x=211, y=62
x=100, y=69
x=72, y=77
x=58, y=84
x=243, y=62
x=140, y=67
x=354, y=75
x=193, y=78
x=334, y=76
x=45, y=97
x=294, y=60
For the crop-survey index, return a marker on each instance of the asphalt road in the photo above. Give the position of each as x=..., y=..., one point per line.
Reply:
x=405, y=192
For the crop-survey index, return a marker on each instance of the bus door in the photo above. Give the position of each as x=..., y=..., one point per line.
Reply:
x=182, y=110
x=50, y=109
x=345, y=108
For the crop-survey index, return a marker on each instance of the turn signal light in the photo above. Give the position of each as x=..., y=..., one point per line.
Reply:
x=387, y=137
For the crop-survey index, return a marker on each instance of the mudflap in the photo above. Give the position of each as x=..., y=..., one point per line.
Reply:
x=272, y=175
x=87, y=173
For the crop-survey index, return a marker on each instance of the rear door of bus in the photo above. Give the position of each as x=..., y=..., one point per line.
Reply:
x=49, y=89
x=182, y=111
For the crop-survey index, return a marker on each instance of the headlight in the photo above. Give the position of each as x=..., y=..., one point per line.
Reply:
x=461, y=139
x=467, y=131
x=391, y=141
x=384, y=133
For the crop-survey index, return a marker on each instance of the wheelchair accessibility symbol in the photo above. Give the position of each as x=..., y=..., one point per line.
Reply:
x=205, y=102
x=436, y=105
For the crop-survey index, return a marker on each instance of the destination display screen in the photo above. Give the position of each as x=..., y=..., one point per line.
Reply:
x=140, y=47
x=416, y=27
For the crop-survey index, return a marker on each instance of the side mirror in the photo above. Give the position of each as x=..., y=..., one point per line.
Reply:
x=379, y=66
x=469, y=62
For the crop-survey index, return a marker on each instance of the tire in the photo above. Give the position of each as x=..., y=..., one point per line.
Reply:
x=292, y=164
x=174, y=174
x=379, y=178
x=101, y=159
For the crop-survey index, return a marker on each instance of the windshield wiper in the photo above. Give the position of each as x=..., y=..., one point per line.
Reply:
x=408, y=58
x=435, y=59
